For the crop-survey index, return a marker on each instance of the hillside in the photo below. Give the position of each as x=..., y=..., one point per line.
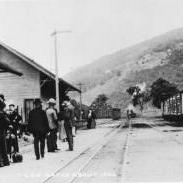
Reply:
x=161, y=56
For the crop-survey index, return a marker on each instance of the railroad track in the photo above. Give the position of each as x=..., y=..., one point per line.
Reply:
x=86, y=156
x=27, y=148
x=154, y=127
x=104, y=123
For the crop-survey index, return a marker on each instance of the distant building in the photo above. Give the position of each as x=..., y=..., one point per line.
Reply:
x=36, y=81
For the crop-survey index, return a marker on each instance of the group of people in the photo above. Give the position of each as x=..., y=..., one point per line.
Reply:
x=9, y=131
x=43, y=124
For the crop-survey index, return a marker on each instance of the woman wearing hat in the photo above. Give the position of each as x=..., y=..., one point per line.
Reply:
x=61, y=128
x=91, y=119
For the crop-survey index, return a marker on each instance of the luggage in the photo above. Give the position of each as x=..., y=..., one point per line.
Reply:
x=50, y=144
x=17, y=157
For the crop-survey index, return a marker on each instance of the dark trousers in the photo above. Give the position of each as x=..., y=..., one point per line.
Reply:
x=39, y=144
x=89, y=123
x=68, y=130
x=53, y=134
x=3, y=152
x=12, y=142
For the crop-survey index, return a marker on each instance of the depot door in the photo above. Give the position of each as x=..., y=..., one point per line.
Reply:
x=28, y=106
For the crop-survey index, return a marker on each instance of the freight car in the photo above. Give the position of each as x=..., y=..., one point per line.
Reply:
x=116, y=113
x=172, y=108
x=108, y=112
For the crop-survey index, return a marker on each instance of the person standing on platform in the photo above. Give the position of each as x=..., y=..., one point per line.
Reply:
x=4, y=123
x=74, y=129
x=91, y=119
x=14, y=127
x=53, y=125
x=61, y=128
x=38, y=126
x=68, y=123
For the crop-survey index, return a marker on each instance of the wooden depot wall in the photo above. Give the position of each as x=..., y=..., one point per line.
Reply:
x=17, y=88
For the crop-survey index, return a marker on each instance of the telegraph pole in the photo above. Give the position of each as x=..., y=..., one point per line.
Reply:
x=80, y=87
x=55, y=33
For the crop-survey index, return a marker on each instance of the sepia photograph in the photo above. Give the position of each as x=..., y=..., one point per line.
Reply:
x=91, y=91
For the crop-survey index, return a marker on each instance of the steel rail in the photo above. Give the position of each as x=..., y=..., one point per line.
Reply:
x=154, y=127
x=81, y=154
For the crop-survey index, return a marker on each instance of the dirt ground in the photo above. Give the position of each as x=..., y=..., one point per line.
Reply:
x=149, y=149
x=154, y=152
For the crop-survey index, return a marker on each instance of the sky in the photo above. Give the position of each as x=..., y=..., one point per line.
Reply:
x=98, y=27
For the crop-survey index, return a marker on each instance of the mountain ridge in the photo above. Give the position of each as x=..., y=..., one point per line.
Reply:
x=114, y=73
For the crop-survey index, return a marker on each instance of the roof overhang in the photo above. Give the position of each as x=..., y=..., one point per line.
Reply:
x=38, y=67
x=6, y=68
x=69, y=86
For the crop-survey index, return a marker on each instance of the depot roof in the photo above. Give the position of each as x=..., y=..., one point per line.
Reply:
x=37, y=66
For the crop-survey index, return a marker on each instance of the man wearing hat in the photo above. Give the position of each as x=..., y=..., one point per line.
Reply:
x=38, y=126
x=69, y=118
x=52, y=121
x=14, y=126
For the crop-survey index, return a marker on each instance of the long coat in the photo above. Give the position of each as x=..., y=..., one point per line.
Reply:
x=38, y=122
x=69, y=116
x=4, y=123
x=91, y=120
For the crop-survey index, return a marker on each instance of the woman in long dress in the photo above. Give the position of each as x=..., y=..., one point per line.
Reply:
x=61, y=128
x=91, y=120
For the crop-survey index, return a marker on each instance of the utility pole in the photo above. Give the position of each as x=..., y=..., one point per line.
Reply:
x=55, y=33
x=80, y=87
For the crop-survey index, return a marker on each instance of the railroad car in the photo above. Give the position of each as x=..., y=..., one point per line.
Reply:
x=116, y=113
x=103, y=112
x=108, y=112
x=172, y=108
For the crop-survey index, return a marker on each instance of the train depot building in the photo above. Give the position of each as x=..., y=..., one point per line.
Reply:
x=35, y=82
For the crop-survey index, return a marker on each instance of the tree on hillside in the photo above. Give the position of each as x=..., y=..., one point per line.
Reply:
x=139, y=97
x=131, y=90
x=161, y=90
x=100, y=100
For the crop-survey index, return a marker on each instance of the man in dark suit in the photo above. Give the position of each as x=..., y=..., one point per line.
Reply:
x=38, y=126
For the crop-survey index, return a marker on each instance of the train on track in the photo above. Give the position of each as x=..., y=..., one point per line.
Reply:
x=172, y=108
x=103, y=112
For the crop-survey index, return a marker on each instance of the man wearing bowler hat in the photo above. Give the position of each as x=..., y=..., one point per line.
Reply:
x=38, y=126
